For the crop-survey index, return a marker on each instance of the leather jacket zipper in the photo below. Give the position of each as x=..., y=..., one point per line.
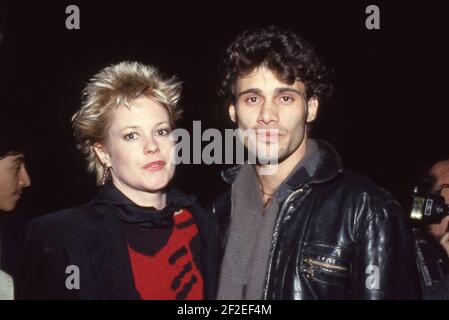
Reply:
x=312, y=262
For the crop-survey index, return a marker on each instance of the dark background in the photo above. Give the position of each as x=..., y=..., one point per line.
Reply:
x=388, y=117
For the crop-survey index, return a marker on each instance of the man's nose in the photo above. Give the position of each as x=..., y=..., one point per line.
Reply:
x=24, y=178
x=268, y=113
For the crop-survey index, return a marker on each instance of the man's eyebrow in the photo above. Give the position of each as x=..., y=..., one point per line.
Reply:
x=251, y=90
x=20, y=159
x=277, y=91
x=288, y=89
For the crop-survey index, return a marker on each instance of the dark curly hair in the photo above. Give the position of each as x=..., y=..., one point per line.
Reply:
x=14, y=139
x=283, y=52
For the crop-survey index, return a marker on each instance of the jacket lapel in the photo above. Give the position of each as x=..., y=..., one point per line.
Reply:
x=208, y=232
x=109, y=254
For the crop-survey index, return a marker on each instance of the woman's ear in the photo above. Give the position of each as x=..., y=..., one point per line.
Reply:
x=102, y=154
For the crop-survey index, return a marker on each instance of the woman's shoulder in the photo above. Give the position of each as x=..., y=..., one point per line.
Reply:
x=67, y=221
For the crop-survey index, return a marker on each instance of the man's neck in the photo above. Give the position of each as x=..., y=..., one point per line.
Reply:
x=270, y=182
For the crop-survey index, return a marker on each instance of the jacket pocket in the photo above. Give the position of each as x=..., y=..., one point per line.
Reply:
x=326, y=265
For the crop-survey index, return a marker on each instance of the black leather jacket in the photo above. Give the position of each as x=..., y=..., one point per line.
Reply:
x=337, y=236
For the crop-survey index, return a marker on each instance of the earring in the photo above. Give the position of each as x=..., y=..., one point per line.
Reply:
x=105, y=175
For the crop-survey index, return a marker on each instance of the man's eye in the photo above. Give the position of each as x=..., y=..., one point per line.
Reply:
x=252, y=100
x=287, y=99
x=163, y=132
x=130, y=136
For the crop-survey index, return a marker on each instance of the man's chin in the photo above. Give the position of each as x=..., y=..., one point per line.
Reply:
x=268, y=154
x=262, y=159
x=8, y=208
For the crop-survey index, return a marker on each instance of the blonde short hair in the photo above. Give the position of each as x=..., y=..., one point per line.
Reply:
x=115, y=86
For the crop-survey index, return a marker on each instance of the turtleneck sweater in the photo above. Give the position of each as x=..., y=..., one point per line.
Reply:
x=163, y=246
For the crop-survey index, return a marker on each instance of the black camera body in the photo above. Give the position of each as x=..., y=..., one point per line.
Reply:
x=428, y=208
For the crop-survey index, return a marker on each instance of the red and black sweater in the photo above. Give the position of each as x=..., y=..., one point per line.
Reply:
x=165, y=261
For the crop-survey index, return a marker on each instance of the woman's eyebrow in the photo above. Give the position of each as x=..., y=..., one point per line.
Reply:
x=137, y=127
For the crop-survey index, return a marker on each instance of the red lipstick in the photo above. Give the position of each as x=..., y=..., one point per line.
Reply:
x=154, y=166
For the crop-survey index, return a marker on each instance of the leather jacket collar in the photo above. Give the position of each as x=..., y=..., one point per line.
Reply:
x=329, y=167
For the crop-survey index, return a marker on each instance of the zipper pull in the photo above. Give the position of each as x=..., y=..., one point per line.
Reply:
x=244, y=291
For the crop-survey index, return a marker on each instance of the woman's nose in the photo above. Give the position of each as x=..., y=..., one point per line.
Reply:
x=151, y=146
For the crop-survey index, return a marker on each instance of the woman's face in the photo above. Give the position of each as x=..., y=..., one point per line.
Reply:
x=138, y=148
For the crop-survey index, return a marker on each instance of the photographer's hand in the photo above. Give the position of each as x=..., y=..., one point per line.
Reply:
x=445, y=242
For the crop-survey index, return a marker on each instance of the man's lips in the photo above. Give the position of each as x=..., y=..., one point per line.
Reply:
x=269, y=135
x=154, y=166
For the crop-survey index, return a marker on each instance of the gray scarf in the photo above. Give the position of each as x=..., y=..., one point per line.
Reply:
x=243, y=271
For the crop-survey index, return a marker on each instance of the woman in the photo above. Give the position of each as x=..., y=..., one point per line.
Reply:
x=138, y=238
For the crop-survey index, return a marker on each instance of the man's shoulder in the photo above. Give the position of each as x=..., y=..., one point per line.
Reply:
x=360, y=184
x=359, y=189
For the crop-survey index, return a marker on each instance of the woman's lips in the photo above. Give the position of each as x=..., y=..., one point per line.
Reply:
x=154, y=166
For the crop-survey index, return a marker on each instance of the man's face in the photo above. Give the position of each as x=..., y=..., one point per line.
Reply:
x=441, y=172
x=13, y=178
x=263, y=103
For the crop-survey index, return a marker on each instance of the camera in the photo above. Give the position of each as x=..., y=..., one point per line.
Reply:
x=428, y=208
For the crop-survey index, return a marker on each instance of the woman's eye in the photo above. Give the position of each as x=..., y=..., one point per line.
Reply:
x=163, y=132
x=131, y=136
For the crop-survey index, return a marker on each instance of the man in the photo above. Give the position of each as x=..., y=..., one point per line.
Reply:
x=13, y=179
x=310, y=229
x=432, y=240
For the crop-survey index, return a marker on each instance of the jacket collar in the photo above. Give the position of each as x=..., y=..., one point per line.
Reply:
x=110, y=194
x=328, y=167
x=129, y=212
